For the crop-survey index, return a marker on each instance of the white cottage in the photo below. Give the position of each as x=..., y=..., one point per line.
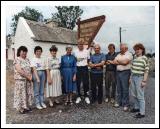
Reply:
x=30, y=34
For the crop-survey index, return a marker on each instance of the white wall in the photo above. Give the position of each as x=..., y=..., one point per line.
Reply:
x=23, y=37
x=46, y=46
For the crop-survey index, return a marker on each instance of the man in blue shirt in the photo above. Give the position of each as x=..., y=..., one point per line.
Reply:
x=96, y=63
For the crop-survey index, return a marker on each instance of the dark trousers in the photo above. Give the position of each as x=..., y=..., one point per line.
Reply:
x=110, y=82
x=97, y=81
x=123, y=87
x=82, y=77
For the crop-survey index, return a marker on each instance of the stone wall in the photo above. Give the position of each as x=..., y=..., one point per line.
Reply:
x=9, y=65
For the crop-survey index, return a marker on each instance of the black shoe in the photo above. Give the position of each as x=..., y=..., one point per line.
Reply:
x=28, y=110
x=134, y=110
x=139, y=115
x=100, y=102
x=57, y=102
x=93, y=101
x=22, y=111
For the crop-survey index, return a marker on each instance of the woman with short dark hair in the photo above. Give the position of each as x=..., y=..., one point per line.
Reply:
x=23, y=92
x=53, y=88
x=37, y=48
x=39, y=66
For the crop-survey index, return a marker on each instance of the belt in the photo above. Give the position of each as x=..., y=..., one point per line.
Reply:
x=123, y=70
x=82, y=66
x=136, y=74
x=55, y=69
x=40, y=70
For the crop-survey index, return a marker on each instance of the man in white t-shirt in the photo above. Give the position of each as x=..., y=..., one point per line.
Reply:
x=82, y=55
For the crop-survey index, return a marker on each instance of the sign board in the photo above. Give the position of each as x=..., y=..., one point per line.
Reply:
x=88, y=29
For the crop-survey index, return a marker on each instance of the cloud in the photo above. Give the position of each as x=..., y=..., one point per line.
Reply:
x=137, y=21
x=10, y=11
x=45, y=10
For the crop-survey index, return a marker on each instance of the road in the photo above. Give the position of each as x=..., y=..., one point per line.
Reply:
x=82, y=113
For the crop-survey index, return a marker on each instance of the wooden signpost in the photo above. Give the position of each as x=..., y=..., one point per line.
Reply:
x=88, y=29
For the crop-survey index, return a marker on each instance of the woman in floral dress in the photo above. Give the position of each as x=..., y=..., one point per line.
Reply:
x=23, y=92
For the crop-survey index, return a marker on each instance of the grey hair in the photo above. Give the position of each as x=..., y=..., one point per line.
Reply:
x=124, y=45
x=97, y=45
x=69, y=46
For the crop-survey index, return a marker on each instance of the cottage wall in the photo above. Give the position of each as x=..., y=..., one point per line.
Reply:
x=46, y=46
x=24, y=36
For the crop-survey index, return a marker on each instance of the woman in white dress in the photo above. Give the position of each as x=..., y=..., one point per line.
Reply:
x=53, y=88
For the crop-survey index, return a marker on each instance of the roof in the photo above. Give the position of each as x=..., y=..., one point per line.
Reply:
x=44, y=33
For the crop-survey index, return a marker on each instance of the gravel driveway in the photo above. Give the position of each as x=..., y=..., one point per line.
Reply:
x=81, y=113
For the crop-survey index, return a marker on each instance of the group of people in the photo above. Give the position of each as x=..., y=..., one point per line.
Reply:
x=77, y=70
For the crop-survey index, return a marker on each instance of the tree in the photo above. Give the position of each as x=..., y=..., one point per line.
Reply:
x=149, y=55
x=67, y=16
x=27, y=13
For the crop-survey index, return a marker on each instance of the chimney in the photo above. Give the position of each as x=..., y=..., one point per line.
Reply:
x=52, y=23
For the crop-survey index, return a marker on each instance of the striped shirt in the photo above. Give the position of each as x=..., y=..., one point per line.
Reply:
x=140, y=65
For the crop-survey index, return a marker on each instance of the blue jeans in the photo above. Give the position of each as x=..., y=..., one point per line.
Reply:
x=138, y=93
x=123, y=87
x=39, y=89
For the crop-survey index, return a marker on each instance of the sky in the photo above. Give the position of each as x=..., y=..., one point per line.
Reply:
x=137, y=22
x=137, y=19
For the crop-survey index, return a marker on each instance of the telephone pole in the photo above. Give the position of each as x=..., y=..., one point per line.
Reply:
x=120, y=37
x=120, y=34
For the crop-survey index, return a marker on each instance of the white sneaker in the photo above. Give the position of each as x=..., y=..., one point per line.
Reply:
x=106, y=100
x=50, y=103
x=87, y=100
x=39, y=107
x=78, y=100
x=116, y=105
x=43, y=105
x=125, y=109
